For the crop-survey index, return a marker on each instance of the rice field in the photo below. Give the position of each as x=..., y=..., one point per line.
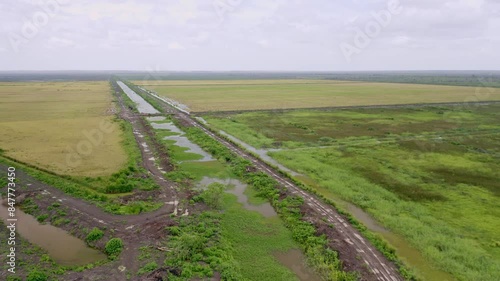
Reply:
x=64, y=127
x=235, y=95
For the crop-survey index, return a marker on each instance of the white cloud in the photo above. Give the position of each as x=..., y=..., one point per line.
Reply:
x=175, y=46
x=255, y=34
x=263, y=43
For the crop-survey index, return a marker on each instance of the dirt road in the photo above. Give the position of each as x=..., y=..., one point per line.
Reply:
x=350, y=238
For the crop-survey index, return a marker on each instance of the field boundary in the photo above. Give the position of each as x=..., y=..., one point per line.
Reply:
x=409, y=105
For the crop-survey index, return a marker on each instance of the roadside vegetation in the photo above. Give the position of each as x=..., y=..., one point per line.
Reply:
x=429, y=174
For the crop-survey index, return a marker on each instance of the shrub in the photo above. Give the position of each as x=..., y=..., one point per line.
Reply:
x=114, y=247
x=36, y=275
x=148, y=268
x=94, y=235
x=212, y=196
x=119, y=188
x=42, y=218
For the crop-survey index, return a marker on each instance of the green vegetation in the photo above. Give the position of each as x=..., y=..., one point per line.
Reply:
x=318, y=254
x=316, y=247
x=212, y=196
x=199, y=249
x=114, y=247
x=82, y=188
x=94, y=235
x=148, y=268
x=36, y=275
x=230, y=95
x=429, y=174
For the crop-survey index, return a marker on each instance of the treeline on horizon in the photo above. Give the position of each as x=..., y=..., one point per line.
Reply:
x=456, y=78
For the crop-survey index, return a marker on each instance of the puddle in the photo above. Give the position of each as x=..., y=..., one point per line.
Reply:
x=62, y=247
x=261, y=152
x=142, y=105
x=182, y=141
x=296, y=262
x=404, y=250
x=239, y=190
x=182, y=107
x=156, y=118
x=203, y=121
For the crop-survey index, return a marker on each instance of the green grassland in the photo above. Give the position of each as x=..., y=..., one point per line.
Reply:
x=201, y=96
x=43, y=123
x=429, y=174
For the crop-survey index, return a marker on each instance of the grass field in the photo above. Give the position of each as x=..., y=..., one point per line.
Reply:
x=429, y=174
x=230, y=95
x=56, y=126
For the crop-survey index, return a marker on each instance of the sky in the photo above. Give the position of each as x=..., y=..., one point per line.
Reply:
x=268, y=35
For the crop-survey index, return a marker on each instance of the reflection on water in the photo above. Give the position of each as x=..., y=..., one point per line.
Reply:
x=239, y=190
x=182, y=141
x=142, y=105
x=296, y=262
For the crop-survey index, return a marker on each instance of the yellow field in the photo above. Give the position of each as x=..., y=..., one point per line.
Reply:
x=223, y=95
x=65, y=127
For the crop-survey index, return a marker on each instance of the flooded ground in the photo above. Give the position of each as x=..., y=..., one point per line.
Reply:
x=404, y=249
x=261, y=152
x=62, y=247
x=142, y=105
x=181, y=140
x=156, y=118
x=238, y=189
x=296, y=262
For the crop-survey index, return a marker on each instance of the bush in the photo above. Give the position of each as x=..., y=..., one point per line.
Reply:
x=148, y=268
x=212, y=196
x=114, y=247
x=119, y=188
x=36, y=275
x=42, y=218
x=94, y=235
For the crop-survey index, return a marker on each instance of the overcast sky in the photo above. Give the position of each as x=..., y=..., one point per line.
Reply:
x=250, y=35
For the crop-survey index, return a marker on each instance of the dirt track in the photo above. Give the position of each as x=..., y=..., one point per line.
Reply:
x=132, y=229
x=349, y=240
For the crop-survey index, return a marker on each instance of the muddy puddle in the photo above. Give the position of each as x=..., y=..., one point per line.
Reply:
x=183, y=141
x=261, y=152
x=142, y=105
x=62, y=247
x=238, y=189
x=296, y=262
x=404, y=249
x=156, y=118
